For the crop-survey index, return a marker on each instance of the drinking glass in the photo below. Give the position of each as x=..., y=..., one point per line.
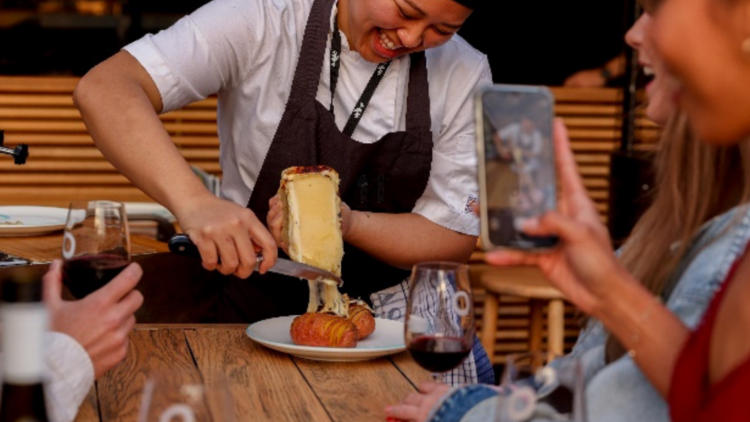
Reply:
x=439, y=325
x=175, y=396
x=96, y=245
x=530, y=389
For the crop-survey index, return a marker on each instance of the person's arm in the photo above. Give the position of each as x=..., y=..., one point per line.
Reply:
x=402, y=240
x=70, y=376
x=119, y=102
x=597, y=77
x=585, y=269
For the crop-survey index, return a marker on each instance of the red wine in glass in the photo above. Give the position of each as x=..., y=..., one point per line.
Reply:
x=85, y=274
x=439, y=354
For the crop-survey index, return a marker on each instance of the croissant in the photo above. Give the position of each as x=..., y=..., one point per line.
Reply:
x=323, y=330
x=362, y=319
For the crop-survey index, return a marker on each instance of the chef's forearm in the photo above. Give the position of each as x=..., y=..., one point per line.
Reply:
x=402, y=240
x=119, y=103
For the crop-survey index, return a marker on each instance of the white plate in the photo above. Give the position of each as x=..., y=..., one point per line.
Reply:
x=34, y=220
x=387, y=339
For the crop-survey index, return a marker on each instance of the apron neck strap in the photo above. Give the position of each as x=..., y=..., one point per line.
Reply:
x=310, y=64
x=418, y=99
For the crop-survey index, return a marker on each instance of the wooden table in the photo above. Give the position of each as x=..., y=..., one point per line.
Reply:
x=265, y=385
x=45, y=248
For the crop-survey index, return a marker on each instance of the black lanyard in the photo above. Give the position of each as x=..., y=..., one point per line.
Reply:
x=364, y=99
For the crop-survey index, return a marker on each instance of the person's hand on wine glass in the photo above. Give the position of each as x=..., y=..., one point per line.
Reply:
x=101, y=322
x=417, y=406
x=226, y=235
x=583, y=266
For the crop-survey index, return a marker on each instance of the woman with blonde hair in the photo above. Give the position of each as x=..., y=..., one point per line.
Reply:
x=675, y=260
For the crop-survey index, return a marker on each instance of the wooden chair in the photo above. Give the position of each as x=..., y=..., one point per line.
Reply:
x=529, y=283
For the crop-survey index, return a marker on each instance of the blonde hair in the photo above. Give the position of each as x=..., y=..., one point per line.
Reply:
x=694, y=183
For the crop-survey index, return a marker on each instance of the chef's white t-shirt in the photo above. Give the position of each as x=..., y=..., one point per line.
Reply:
x=246, y=51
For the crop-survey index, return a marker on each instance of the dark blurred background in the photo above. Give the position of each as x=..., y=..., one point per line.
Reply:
x=528, y=42
x=542, y=42
x=68, y=37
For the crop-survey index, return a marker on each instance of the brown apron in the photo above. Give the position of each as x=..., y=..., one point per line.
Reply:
x=387, y=176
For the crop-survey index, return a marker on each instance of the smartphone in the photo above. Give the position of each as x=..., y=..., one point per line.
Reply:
x=517, y=178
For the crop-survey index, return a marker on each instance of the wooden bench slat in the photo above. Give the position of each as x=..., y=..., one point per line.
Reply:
x=37, y=84
x=78, y=126
x=574, y=123
x=592, y=158
x=36, y=100
x=83, y=166
x=588, y=95
x=567, y=109
x=73, y=139
x=70, y=113
x=54, y=179
x=88, y=153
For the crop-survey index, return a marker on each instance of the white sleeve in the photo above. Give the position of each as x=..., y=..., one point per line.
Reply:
x=215, y=47
x=453, y=186
x=71, y=375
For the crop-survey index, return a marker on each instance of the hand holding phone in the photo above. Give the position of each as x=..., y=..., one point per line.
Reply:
x=517, y=178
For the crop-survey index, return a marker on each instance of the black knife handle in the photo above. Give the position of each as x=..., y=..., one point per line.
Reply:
x=182, y=245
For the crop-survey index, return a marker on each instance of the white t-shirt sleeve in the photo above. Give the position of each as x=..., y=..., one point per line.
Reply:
x=453, y=186
x=71, y=375
x=215, y=47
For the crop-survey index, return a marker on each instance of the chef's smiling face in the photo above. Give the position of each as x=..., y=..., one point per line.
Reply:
x=381, y=30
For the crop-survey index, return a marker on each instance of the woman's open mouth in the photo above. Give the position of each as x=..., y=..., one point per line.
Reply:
x=385, y=47
x=649, y=74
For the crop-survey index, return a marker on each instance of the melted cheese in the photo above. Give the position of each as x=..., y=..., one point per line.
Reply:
x=312, y=230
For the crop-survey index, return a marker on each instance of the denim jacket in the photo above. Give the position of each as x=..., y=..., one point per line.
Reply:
x=619, y=392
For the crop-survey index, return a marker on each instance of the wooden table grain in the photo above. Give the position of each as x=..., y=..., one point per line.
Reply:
x=45, y=248
x=264, y=385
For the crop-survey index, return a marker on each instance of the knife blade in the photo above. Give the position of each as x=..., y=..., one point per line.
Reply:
x=181, y=244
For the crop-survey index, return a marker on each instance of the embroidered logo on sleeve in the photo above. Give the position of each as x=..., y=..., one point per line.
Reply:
x=471, y=202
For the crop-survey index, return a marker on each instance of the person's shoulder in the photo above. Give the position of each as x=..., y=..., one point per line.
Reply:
x=457, y=54
x=303, y=6
x=253, y=9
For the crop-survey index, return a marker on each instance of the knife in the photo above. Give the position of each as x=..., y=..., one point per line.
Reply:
x=182, y=245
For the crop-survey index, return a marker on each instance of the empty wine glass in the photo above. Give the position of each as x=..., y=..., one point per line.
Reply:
x=533, y=389
x=96, y=245
x=174, y=396
x=439, y=326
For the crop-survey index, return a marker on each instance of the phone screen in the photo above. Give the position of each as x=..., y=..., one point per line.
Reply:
x=518, y=163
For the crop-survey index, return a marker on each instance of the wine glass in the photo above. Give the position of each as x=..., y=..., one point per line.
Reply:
x=177, y=396
x=439, y=326
x=96, y=245
x=530, y=389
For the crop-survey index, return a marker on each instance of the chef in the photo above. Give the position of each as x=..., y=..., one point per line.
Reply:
x=379, y=90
